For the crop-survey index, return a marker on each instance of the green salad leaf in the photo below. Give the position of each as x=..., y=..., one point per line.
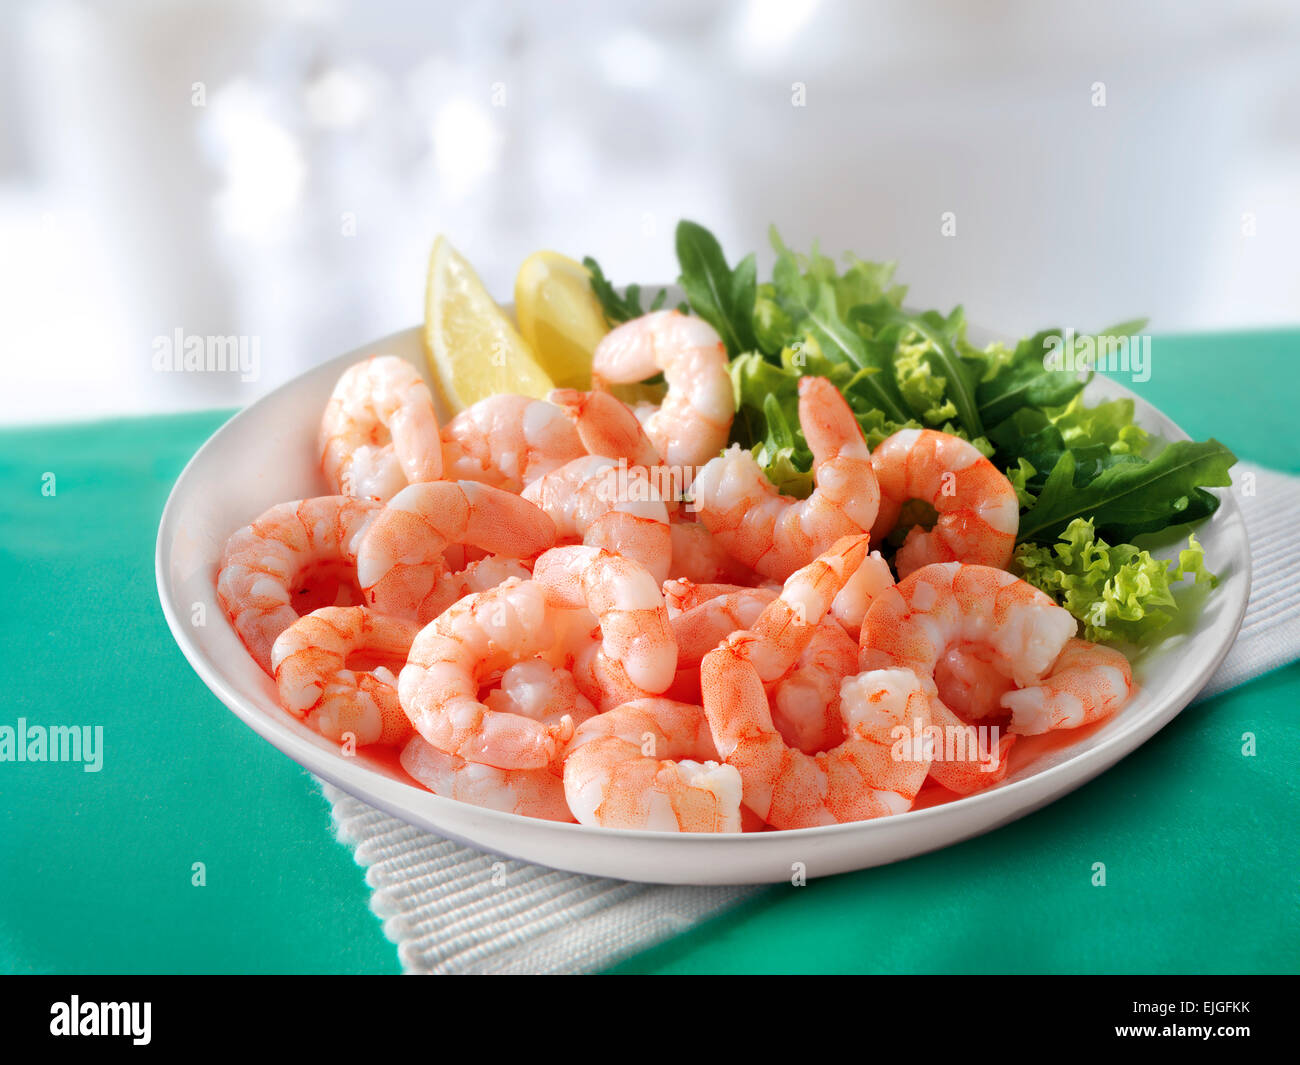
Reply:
x=767, y=411
x=783, y=459
x=798, y=279
x=923, y=390
x=723, y=297
x=1017, y=379
x=936, y=339
x=1097, y=437
x=1125, y=495
x=1118, y=593
x=1019, y=476
x=615, y=307
x=1108, y=424
x=806, y=292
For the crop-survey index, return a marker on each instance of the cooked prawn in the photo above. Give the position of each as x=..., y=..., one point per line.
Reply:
x=801, y=653
x=534, y=689
x=607, y=426
x=698, y=556
x=310, y=664
x=528, y=792
x=782, y=631
x=380, y=430
x=778, y=625
x=872, y=773
x=477, y=576
x=942, y=605
x=682, y=594
x=979, y=514
x=541, y=690
x=854, y=599
x=776, y=534
x=508, y=441
x=637, y=654
x=483, y=634
x=694, y=420
x=701, y=627
x=805, y=699
x=1087, y=683
x=651, y=764
x=264, y=563
x=971, y=682
x=400, y=559
x=605, y=504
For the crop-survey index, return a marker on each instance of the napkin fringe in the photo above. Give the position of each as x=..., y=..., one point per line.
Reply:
x=451, y=909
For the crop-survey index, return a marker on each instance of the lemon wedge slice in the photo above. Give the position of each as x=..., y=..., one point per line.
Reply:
x=473, y=348
x=559, y=316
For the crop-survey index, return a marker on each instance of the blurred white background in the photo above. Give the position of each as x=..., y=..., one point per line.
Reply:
x=278, y=170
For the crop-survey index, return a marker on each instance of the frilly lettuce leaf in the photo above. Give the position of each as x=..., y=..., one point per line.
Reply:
x=938, y=339
x=1019, y=476
x=773, y=326
x=1109, y=424
x=807, y=292
x=1120, y=594
x=799, y=282
x=785, y=462
x=1097, y=438
x=924, y=391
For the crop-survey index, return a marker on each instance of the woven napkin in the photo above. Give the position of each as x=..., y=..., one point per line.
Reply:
x=449, y=911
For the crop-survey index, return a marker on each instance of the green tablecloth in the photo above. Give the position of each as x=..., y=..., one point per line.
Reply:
x=97, y=869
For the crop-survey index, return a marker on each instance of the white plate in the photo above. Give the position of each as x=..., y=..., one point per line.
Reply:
x=267, y=454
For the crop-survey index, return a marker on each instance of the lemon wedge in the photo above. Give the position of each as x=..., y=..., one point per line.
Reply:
x=559, y=316
x=473, y=348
